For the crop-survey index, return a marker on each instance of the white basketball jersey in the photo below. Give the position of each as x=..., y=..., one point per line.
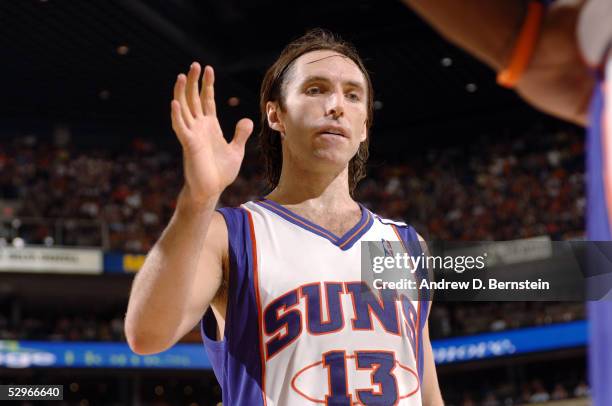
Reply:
x=301, y=326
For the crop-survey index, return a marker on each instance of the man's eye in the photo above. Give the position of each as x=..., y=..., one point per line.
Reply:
x=313, y=90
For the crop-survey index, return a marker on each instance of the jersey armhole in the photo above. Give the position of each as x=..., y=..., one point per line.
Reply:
x=209, y=323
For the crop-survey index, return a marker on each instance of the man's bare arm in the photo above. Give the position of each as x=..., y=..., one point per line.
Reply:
x=556, y=80
x=184, y=271
x=180, y=277
x=486, y=29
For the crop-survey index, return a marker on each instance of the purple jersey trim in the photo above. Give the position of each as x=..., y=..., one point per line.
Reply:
x=236, y=359
x=598, y=221
x=411, y=241
x=598, y=229
x=343, y=242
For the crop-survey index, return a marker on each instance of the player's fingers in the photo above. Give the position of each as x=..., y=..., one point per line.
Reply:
x=244, y=128
x=178, y=124
x=207, y=96
x=179, y=95
x=192, y=96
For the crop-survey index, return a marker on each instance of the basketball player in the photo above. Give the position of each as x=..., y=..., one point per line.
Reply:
x=287, y=320
x=556, y=54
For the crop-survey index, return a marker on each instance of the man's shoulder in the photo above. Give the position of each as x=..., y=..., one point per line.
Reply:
x=403, y=227
x=388, y=221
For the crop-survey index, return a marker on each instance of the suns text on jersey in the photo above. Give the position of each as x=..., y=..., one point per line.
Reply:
x=284, y=320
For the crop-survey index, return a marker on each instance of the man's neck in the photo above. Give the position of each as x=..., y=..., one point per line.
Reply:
x=313, y=191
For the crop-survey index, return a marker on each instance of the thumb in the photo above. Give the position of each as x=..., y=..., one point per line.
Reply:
x=244, y=128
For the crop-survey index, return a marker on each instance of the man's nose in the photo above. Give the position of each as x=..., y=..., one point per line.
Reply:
x=335, y=105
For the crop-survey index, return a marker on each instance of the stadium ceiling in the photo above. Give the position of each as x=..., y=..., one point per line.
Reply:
x=116, y=60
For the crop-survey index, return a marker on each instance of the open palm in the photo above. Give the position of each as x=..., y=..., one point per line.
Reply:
x=210, y=163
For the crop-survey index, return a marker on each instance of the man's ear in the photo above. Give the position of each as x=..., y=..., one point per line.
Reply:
x=274, y=121
x=364, y=133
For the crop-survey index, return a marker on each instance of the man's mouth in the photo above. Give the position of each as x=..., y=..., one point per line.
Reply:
x=333, y=131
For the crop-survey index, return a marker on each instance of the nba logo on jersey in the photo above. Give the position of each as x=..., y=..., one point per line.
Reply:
x=301, y=326
x=387, y=248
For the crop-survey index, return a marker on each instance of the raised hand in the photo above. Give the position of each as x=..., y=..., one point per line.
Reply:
x=210, y=163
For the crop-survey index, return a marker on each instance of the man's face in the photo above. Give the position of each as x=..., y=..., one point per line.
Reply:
x=324, y=119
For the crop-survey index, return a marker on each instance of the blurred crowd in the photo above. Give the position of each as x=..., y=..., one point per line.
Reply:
x=119, y=199
x=534, y=392
x=54, y=192
x=63, y=328
x=446, y=320
x=494, y=189
x=532, y=381
x=464, y=318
